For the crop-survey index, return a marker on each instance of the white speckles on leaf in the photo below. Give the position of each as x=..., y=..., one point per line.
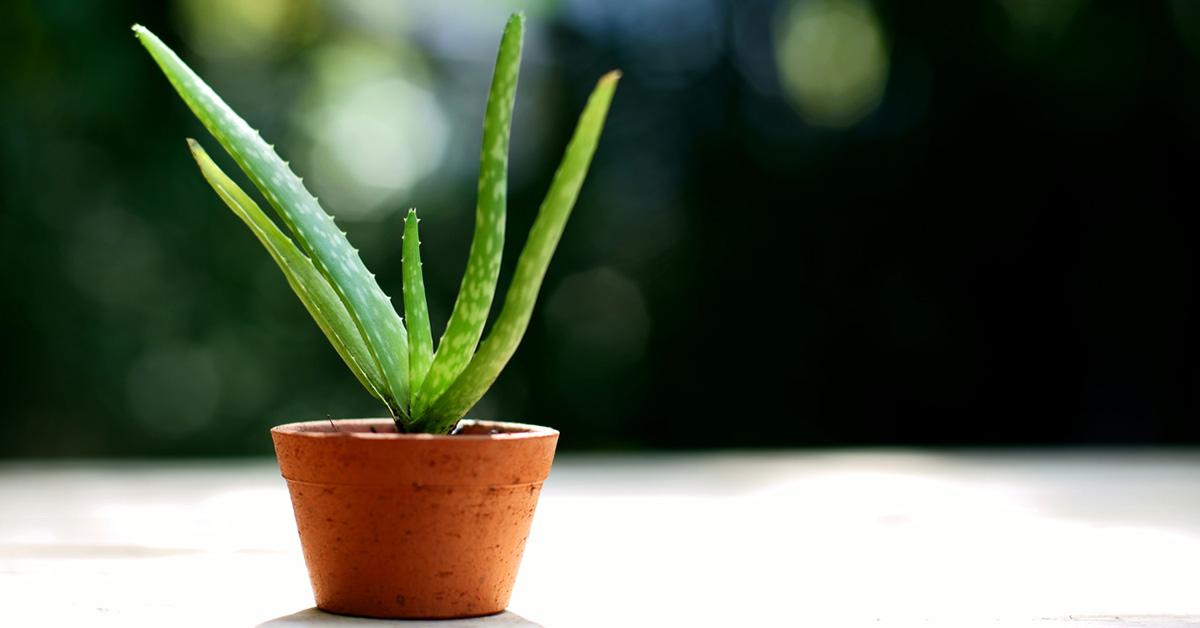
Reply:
x=279, y=185
x=306, y=280
x=478, y=288
x=514, y=317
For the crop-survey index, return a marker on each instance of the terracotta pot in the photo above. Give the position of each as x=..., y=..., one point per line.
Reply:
x=413, y=525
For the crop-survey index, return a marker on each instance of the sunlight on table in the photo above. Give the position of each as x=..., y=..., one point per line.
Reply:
x=699, y=540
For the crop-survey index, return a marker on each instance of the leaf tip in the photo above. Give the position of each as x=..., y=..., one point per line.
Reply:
x=198, y=152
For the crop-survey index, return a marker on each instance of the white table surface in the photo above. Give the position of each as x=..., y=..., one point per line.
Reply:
x=1047, y=538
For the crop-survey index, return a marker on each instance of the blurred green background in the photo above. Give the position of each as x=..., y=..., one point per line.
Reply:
x=810, y=222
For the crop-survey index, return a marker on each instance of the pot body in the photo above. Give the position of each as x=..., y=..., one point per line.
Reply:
x=413, y=525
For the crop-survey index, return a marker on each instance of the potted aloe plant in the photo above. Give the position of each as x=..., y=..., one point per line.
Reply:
x=422, y=514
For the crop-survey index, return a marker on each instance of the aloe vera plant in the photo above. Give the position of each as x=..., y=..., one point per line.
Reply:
x=424, y=389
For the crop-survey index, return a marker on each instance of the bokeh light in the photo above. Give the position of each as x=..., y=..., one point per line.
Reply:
x=602, y=314
x=375, y=126
x=832, y=59
x=174, y=390
x=1038, y=16
x=111, y=246
x=233, y=28
x=1036, y=28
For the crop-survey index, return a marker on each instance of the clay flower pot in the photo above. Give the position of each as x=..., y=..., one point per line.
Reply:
x=413, y=525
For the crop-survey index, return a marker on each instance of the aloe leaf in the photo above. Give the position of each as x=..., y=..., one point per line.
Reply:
x=416, y=310
x=547, y=228
x=487, y=244
x=306, y=281
x=314, y=229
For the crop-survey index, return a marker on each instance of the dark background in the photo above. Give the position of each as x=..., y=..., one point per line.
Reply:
x=808, y=223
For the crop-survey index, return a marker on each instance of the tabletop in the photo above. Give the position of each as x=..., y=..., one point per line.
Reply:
x=889, y=537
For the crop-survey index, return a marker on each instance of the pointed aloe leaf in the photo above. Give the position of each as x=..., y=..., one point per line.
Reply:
x=487, y=244
x=306, y=281
x=547, y=228
x=416, y=310
x=314, y=229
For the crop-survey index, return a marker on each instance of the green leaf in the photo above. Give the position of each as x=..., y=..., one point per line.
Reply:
x=420, y=338
x=313, y=229
x=306, y=281
x=487, y=244
x=510, y=326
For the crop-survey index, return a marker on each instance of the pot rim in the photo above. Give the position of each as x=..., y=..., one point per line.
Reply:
x=320, y=430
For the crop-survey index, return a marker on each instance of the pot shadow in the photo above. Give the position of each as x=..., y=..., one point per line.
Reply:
x=311, y=617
